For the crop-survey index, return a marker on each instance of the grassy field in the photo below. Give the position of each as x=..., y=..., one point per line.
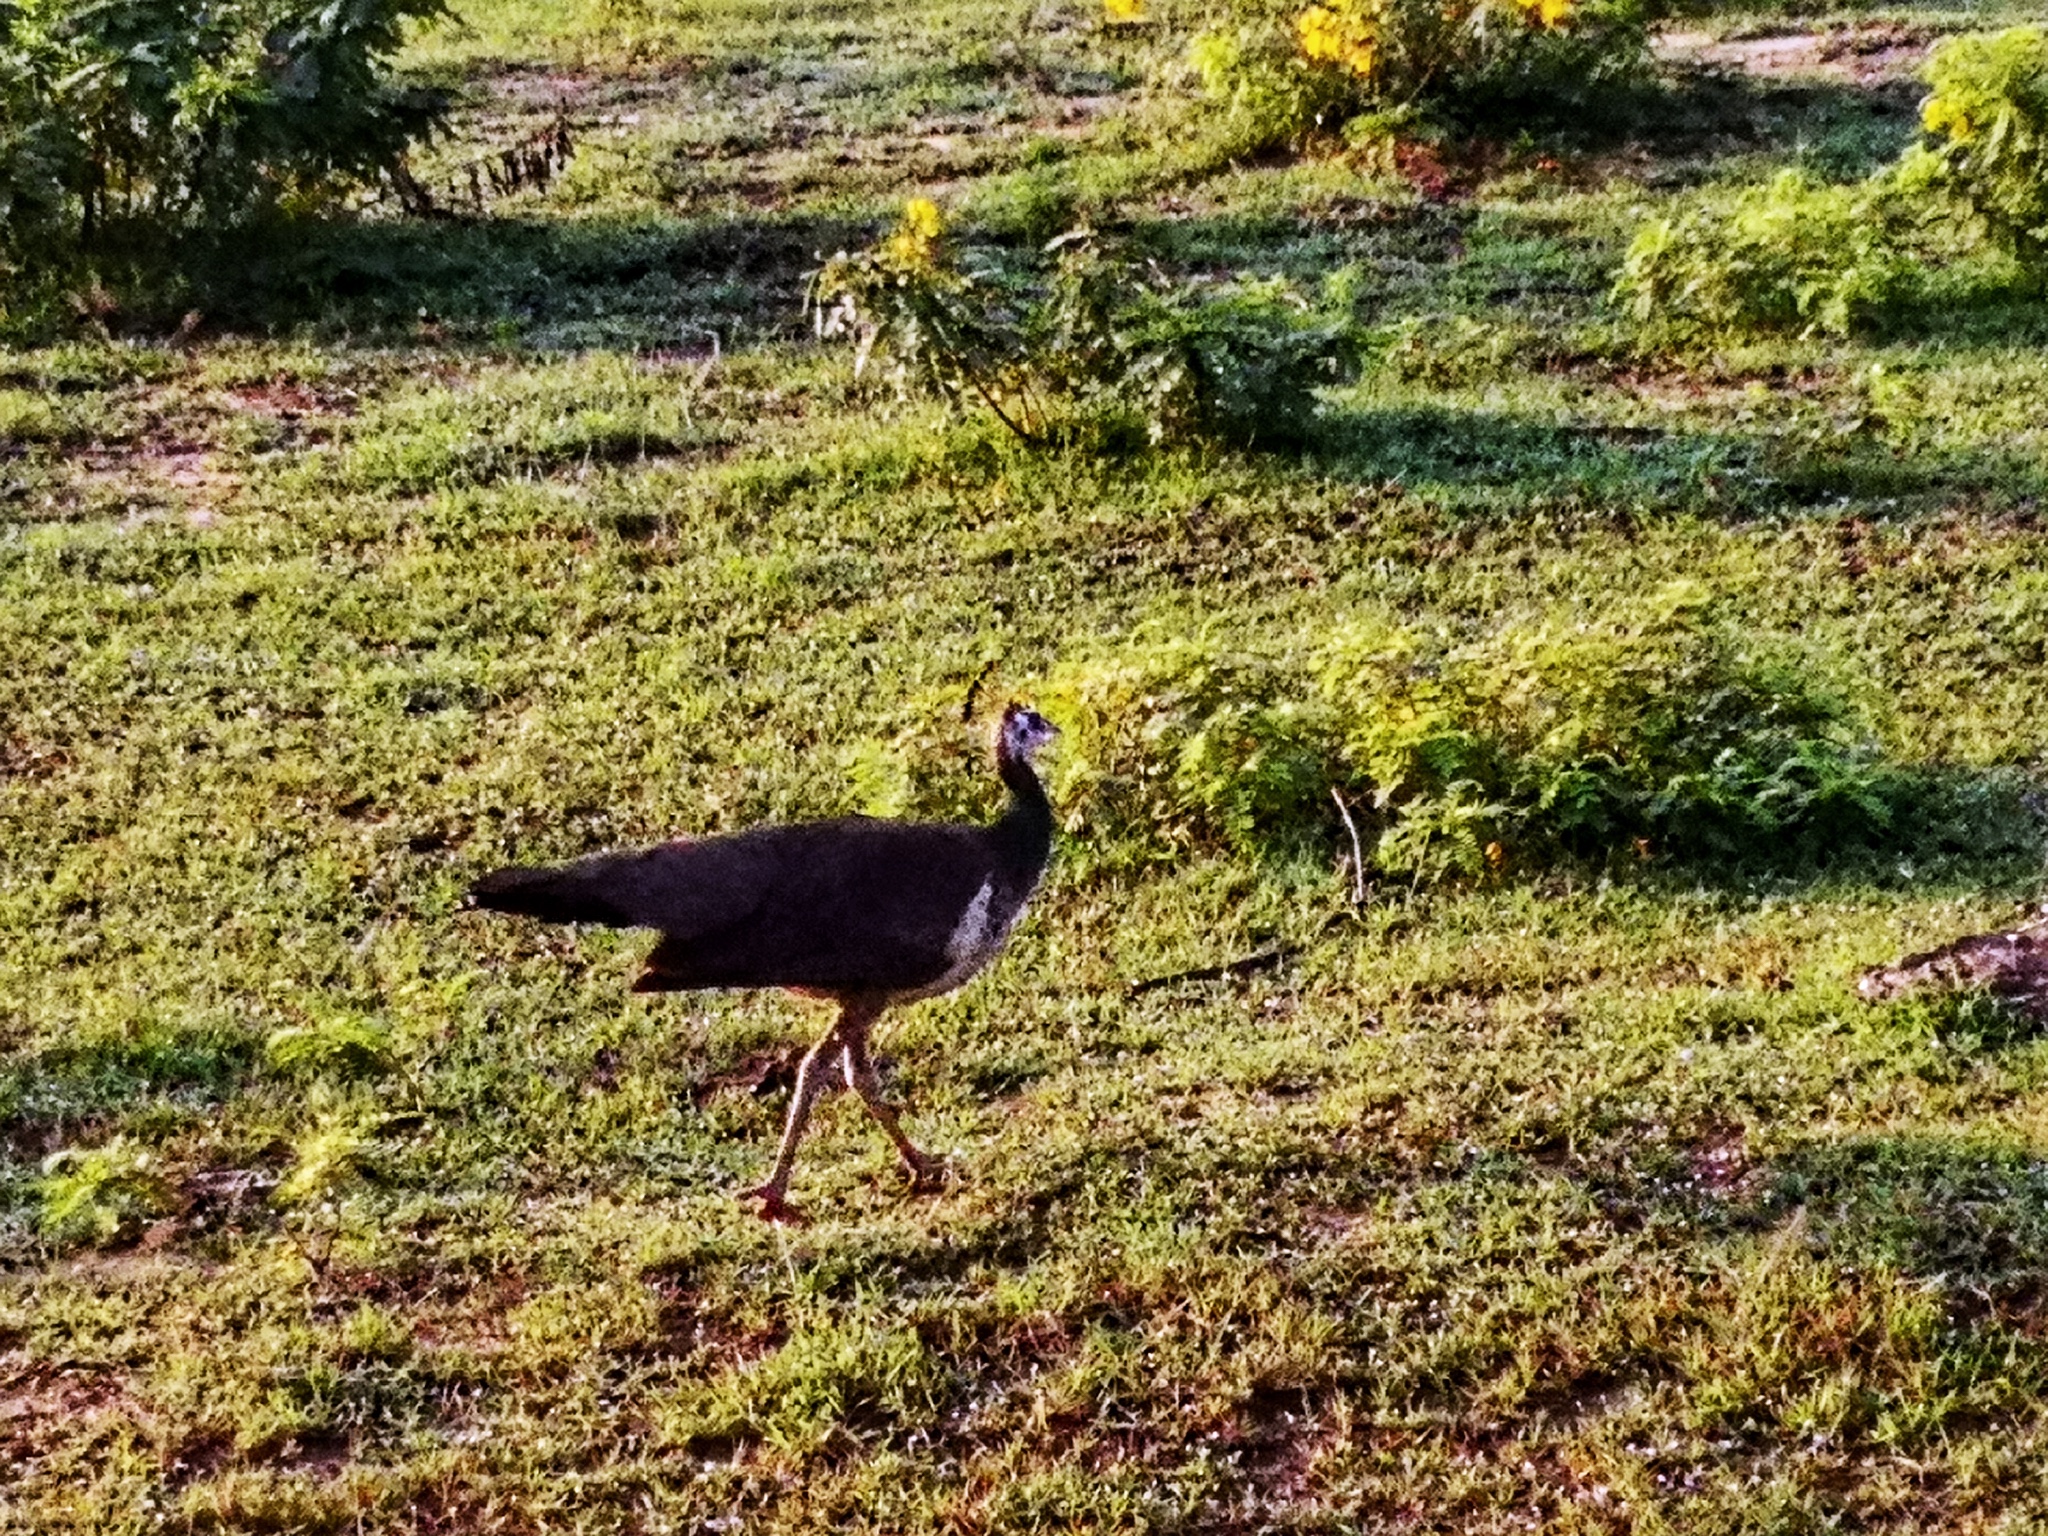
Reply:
x=1584, y=1196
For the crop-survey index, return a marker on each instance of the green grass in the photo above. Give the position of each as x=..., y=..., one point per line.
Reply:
x=1586, y=1196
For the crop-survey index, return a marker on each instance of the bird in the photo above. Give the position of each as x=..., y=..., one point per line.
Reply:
x=863, y=912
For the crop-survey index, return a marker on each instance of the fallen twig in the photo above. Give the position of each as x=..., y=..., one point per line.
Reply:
x=974, y=690
x=1357, y=853
x=1264, y=960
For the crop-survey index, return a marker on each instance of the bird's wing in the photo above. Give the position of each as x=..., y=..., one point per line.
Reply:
x=685, y=888
x=831, y=905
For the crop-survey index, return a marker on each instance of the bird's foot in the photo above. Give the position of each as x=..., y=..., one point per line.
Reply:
x=928, y=1175
x=774, y=1207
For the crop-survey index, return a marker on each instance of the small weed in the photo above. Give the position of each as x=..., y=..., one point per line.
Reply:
x=1033, y=206
x=99, y=1195
x=1237, y=362
x=822, y=1380
x=344, y=1045
x=329, y=1160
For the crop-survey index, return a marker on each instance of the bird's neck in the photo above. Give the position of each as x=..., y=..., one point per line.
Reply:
x=1026, y=824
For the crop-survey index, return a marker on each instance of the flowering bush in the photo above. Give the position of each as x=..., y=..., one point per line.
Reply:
x=1987, y=120
x=1798, y=255
x=1285, y=71
x=1402, y=49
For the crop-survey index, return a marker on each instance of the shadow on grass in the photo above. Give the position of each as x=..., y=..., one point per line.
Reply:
x=636, y=280
x=1492, y=460
x=54, y=1097
x=1965, y=1216
x=1700, y=114
x=1821, y=819
x=646, y=282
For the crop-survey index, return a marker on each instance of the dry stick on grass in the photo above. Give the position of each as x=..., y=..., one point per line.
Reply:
x=1267, y=958
x=1264, y=960
x=974, y=688
x=1357, y=853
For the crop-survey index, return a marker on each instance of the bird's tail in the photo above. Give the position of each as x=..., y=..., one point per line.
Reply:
x=561, y=894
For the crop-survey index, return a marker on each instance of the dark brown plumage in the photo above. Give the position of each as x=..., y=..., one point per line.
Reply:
x=867, y=913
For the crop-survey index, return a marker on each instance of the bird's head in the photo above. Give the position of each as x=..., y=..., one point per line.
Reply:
x=1024, y=733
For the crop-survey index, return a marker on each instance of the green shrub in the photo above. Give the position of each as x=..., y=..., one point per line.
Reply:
x=1083, y=330
x=1238, y=360
x=1174, y=741
x=1663, y=728
x=156, y=115
x=1790, y=255
x=98, y=1195
x=1798, y=255
x=1662, y=724
x=1987, y=118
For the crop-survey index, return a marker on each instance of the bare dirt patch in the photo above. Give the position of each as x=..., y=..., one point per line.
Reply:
x=690, y=1327
x=1279, y=1439
x=285, y=399
x=46, y=1405
x=21, y=758
x=1720, y=1162
x=320, y=1454
x=1872, y=55
x=2010, y=965
x=445, y=1307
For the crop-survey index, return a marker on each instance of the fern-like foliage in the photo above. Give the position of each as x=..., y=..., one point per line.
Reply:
x=150, y=116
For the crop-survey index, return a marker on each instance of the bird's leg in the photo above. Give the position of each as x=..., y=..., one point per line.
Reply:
x=927, y=1173
x=811, y=1079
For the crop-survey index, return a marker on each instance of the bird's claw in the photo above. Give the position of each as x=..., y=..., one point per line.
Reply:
x=929, y=1175
x=774, y=1207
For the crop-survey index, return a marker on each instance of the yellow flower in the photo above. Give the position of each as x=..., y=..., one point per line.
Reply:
x=1318, y=30
x=1124, y=10
x=1328, y=37
x=1940, y=115
x=910, y=245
